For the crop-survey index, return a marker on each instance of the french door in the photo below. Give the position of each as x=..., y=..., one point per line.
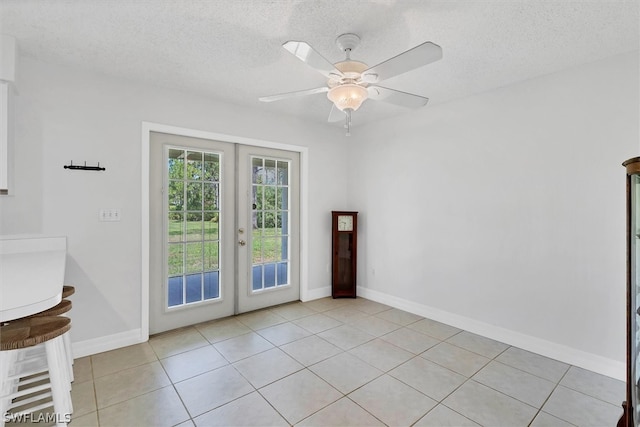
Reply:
x=268, y=224
x=224, y=229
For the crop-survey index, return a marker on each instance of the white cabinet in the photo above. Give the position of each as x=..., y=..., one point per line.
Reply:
x=6, y=137
x=8, y=59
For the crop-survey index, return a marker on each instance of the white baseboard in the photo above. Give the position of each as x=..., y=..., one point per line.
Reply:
x=593, y=362
x=134, y=336
x=109, y=342
x=317, y=293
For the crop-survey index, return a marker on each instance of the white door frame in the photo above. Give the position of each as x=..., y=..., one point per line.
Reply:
x=147, y=128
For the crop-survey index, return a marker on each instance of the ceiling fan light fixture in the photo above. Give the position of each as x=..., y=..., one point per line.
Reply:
x=350, y=82
x=348, y=95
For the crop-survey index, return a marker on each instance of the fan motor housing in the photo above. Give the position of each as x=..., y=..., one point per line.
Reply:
x=351, y=70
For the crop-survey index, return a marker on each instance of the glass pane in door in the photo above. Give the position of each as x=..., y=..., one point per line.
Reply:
x=193, y=207
x=270, y=224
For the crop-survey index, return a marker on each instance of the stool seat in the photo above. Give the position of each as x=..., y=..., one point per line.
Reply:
x=67, y=291
x=63, y=307
x=31, y=331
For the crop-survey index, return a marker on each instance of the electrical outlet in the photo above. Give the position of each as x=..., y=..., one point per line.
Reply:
x=110, y=215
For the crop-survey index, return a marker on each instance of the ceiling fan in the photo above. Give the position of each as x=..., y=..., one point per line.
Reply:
x=351, y=82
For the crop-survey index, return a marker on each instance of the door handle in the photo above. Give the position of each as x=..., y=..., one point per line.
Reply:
x=242, y=243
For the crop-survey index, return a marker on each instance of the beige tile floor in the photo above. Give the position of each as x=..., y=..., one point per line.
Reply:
x=335, y=363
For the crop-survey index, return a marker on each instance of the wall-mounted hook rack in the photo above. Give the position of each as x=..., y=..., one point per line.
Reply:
x=85, y=167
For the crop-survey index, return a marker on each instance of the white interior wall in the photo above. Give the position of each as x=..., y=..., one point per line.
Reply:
x=505, y=212
x=64, y=115
x=504, y=209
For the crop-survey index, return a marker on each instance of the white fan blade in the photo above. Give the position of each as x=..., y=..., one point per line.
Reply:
x=293, y=94
x=396, y=97
x=418, y=56
x=335, y=115
x=304, y=52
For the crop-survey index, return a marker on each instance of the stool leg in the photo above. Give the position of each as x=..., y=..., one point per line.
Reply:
x=63, y=384
x=67, y=369
x=64, y=368
x=67, y=346
x=11, y=360
x=58, y=378
x=69, y=354
x=7, y=360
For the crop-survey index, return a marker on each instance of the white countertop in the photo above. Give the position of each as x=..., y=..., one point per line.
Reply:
x=31, y=274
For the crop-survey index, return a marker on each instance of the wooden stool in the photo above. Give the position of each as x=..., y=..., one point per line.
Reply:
x=19, y=369
x=58, y=310
x=64, y=306
x=67, y=291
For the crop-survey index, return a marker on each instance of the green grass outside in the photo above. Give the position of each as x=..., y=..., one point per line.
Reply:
x=267, y=246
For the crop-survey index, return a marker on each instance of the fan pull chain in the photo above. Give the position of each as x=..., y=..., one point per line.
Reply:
x=347, y=120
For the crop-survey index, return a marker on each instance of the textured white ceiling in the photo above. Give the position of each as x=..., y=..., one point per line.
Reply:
x=231, y=49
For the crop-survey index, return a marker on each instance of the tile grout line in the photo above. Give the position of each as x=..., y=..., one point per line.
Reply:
x=173, y=385
x=95, y=393
x=346, y=322
x=551, y=394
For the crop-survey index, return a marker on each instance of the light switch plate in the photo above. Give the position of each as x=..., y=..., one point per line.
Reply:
x=110, y=215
